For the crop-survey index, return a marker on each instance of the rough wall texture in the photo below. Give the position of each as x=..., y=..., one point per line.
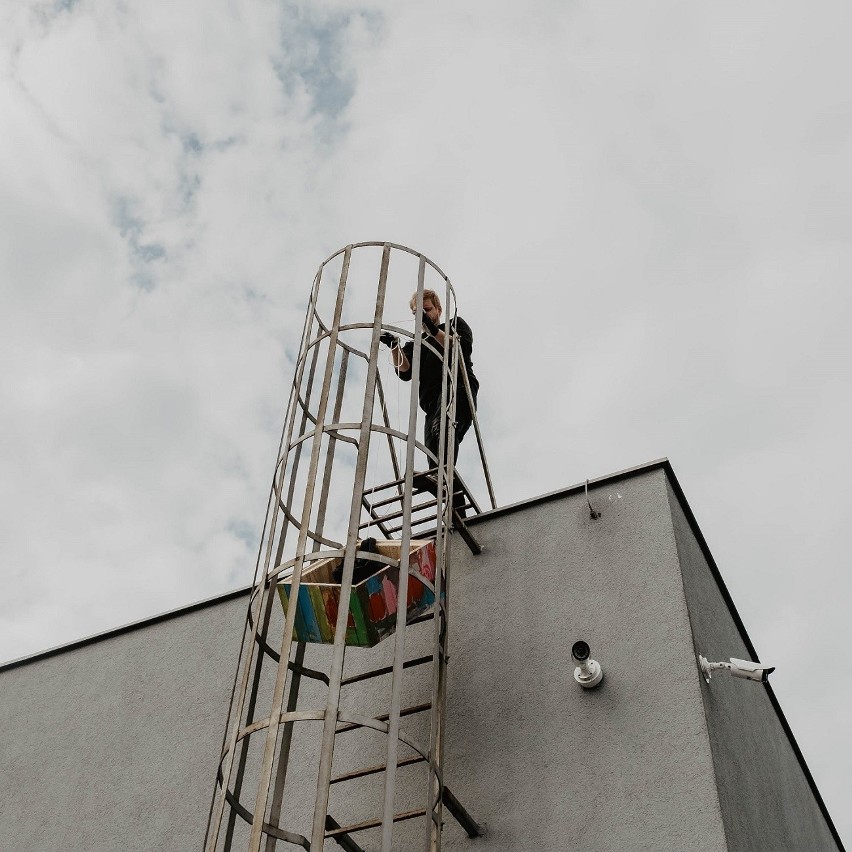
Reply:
x=113, y=745
x=767, y=803
x=548, y=765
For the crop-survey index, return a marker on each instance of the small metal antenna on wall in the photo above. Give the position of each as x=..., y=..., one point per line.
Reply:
x=593, y=514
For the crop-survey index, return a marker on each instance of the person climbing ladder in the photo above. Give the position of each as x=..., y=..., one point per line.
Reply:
x=430, y=370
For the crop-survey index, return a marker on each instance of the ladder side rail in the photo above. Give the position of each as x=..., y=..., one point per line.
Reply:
x=386, y=420
x=295, y=682
x=402, y=593
x=336, y=671
x=295, y=580
x=261, y=639
x=376, y=519
x=284, y=748
x=386, y=531
x=297, y=453
x=478, y=434
x=446, y=466
x=297, y=664
x=332, y=443
x=290, y=419
x=232, y=725
x=218, y=799
x=263, y=627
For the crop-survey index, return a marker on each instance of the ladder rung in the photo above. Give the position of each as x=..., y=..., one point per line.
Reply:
x=418, y=661
x=399, y=514
x=408, y=711
x=384, y=486
x=373, y=770
x=387, y=500
x=392, y=499
x=429, y=519
x=374, y=823
x=433, y=471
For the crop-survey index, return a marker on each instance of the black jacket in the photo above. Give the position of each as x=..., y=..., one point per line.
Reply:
x=430, y=370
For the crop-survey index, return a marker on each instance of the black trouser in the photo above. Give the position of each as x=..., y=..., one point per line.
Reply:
x=432, y=429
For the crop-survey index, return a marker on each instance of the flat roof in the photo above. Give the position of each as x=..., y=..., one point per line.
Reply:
x=125, y=628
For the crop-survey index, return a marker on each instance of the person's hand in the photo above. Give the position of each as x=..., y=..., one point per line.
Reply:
x=429, y=325
x=389, y=339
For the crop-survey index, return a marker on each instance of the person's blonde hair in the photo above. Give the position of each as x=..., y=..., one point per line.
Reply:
x=427, y=294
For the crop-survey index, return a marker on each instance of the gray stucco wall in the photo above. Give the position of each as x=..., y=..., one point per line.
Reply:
x=548, y=765
x=767, y=803
x=113, y=745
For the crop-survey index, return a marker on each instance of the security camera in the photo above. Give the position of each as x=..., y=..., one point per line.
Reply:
x=588, y=672
x=738, y=668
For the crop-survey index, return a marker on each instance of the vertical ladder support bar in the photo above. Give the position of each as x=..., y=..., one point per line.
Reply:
x=235, y=712
x=261, y=632
x=386, y=420
x=332, y=443
x=284, y=750
x=463, y=818
x=336, y=672
x=287, y=432
x=265, y=772
x=479, y=444
x=295, y=680
x=446, y=464
x=297, y=457
x=402, y=594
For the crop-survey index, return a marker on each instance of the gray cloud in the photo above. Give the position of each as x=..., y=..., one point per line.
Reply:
x=645, y=212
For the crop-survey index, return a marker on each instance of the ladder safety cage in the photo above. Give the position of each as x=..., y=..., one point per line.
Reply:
x=356, y=552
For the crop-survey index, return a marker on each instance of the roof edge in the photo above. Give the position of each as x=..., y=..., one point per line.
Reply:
x=714, y=568
x=571, y=489
x=217, y=599
x=125, y=628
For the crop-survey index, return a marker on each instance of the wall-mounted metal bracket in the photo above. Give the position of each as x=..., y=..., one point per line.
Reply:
x=594, y=515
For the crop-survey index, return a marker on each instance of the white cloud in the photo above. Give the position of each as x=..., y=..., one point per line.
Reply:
x=156, y=174
x=644, y=210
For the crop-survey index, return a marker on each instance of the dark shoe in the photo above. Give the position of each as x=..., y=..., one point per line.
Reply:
x=428, y=482
x=425, y=482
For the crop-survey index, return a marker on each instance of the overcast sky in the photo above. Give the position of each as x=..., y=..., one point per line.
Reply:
x=645, y=209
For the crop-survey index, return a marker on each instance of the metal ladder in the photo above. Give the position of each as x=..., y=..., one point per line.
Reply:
x=265, y=788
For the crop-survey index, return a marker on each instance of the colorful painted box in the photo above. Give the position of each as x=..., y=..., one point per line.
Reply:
x=373, y=603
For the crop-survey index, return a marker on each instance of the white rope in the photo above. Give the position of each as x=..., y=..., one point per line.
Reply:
x=398, y=381
x=398, y=424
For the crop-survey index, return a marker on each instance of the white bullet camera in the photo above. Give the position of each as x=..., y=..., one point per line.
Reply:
x=738, y=668
x=588, y=672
